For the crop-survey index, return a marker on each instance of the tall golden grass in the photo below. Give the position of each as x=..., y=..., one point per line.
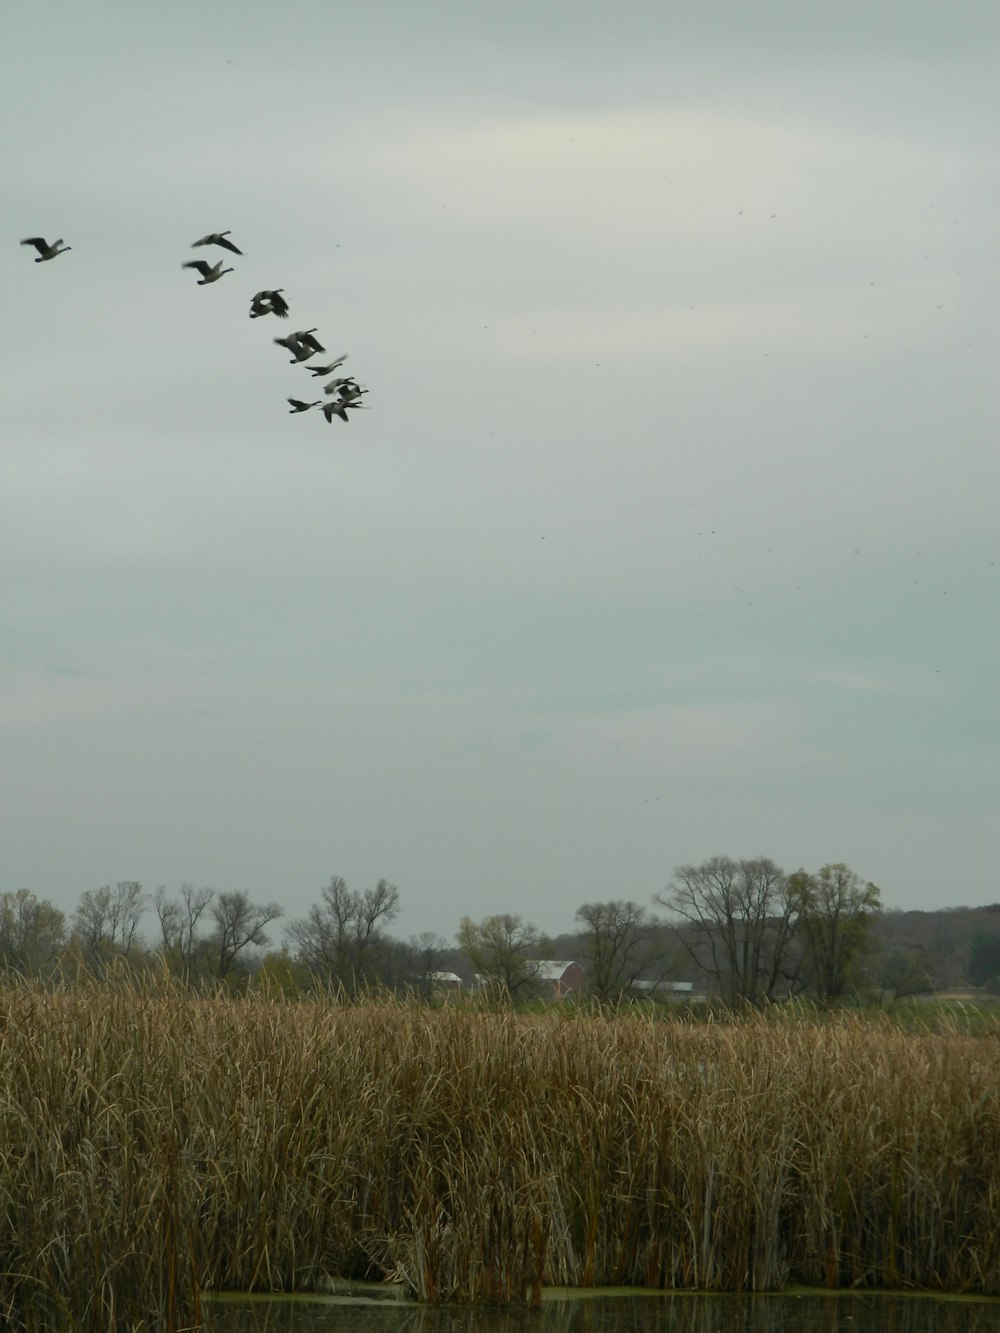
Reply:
x=154, y=1145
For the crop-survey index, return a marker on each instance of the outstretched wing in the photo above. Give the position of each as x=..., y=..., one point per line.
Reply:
x=203, y=268
x=39, y=242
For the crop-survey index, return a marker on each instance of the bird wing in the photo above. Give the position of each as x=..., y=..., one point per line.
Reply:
x=39, y=242
x=228, y=245
x=312, y=342
x=203, y=268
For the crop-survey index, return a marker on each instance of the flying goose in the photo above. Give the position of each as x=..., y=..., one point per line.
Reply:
x=338, y=408
x=217, y=238
x=209, y=272
x=306, y=336
x=302, y=345
x=328, y=370
x=345, y=389
x=299, y=406
x=269, y=303
x=300, y=351
x=46, y=251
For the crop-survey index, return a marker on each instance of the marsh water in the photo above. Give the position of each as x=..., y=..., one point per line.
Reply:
x=618, y=1312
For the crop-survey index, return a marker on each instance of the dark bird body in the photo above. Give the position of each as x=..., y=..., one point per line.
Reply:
x=209, y=272
x=302, y=345
x=327, y=370
x=217, y=238
x=46, y=251
x=269, y=303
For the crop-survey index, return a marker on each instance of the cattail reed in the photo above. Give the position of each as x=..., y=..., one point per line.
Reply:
x=154, y=1145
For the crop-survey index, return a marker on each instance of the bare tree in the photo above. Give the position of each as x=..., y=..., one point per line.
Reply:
x=107, y=921
x=503, y=949
x=340, y=939
x=836, y=911
x=239, y=924
x=179, y=920
x=740, y=919
x=617, y=943
x=425, y=952
x=32, y=933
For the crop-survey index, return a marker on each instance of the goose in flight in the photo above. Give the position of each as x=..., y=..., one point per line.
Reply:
x=328, y=370
x=217, y=238
x=209, y=272
x=339, y=408
x=306, y=336
x=299, y=406
x=269, y=303
x=46, y=251
x=302, y=345
x=345, y=389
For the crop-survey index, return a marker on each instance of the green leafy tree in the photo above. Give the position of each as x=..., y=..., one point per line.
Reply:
x=836, y=909
x=504, y=950
x=984, y=959
x=902, y=972
x=32, y=933
x=280, y=973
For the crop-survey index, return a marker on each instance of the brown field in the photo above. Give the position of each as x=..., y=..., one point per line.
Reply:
x=154, y=1145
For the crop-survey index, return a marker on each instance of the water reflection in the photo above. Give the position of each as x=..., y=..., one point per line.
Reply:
x=625, y=1313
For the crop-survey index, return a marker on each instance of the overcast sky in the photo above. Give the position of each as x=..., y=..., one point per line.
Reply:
x=672, y=529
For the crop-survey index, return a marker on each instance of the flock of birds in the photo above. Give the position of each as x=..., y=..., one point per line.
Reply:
x=343, y=391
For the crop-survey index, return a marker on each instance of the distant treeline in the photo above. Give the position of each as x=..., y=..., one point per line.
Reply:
x=734, y=931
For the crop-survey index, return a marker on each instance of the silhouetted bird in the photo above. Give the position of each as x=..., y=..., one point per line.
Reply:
x=46, y=251
x=302, y=345
x=217, y=238
x=209, y=272
x=328, y=370
x=269, y=303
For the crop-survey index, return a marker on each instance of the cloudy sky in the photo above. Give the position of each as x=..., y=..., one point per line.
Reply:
x=672, y=529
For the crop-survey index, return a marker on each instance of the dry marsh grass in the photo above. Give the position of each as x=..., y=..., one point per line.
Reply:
x=154, y=1145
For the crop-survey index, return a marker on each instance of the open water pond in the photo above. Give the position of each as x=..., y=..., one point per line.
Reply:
x=618, y=1312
